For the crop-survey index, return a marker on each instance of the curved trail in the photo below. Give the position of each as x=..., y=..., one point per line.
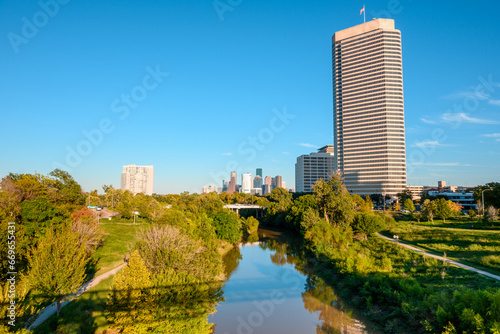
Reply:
x=52, y=308
x=458, y=264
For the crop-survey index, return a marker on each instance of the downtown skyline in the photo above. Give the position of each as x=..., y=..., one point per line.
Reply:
x=197, y=96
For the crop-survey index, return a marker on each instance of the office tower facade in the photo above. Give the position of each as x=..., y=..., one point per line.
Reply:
x=315, y=166
x=224, y=185
x=257, y=182
x=246, y=183
x=231, y=186
x=138, y=179
x=204, y=190
x=211, y=188
x=369, y=130
x=258, y=172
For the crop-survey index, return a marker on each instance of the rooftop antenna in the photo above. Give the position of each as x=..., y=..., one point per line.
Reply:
x=363, y=11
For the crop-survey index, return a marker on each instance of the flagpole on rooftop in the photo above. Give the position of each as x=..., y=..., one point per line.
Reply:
x=364, y=14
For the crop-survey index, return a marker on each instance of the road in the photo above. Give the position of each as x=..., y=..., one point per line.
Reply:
x=458, y=264
x=52, y=308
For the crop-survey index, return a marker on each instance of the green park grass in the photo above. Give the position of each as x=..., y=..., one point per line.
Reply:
x=83, y=315
x=86, y=314
x=120, y=236
x=478, y=247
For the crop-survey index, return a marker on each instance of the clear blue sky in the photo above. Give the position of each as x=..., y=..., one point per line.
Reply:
x=222, y=76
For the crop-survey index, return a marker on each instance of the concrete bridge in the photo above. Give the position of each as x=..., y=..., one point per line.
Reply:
x=237, y=207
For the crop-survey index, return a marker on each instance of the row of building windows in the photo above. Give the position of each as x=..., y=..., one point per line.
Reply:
x=367, y=44
x=348, y=61
x=371, y=67
x=375, y=103
x=379, y=111
x=383, y=59
x=370, y=77
x=386, y=137
x=372, y=84
x=364, y=49
x=367, y=88
x=360, y=40
x=361, y=77
x=363, y=93
x=361, y=98
x=386, y=103
x=376, y=144
x=354, y=123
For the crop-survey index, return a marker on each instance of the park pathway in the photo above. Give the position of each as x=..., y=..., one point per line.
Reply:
x=52, y=308
x=458, y=264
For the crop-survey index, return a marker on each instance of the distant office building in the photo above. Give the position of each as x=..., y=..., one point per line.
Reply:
x=257, y=182
x=258, y=172
x=211, y=188
x=268, y=180
x=138, y=179
x=224, y=185
x=283, y=184
x=466, y=200
x=219, y=190
x=204, y=190
x=266, y=189
x=256, y=191
x=315, y=166
x=246, y=183
x=416, y=192
x=368, y=115
x=231, y=187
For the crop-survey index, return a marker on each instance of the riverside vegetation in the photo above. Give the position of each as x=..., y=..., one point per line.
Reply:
x=175, y=271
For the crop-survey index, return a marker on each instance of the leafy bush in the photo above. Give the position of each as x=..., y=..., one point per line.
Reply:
x=227, y=226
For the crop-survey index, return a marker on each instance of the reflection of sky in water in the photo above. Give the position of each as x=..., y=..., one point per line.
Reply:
x=262, y=297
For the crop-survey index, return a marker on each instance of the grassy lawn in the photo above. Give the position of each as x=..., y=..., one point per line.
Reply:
x=120, y=237
x=83, y=315
x=478, y=247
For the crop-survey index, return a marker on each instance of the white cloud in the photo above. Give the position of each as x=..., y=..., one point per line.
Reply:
x=425, y=120
x=492, y=135
x=227, y=154
x=285, y=153
x=470, y=94
x=495, y=102
x=429, y=143
x=464, y=118
x=308, y=145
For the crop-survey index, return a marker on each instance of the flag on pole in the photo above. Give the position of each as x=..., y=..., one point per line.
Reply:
x=362, y=10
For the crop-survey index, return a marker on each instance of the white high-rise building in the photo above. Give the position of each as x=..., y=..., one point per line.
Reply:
x=368, y=108
x=312, y=167
x=246, y=183
x=138, y=179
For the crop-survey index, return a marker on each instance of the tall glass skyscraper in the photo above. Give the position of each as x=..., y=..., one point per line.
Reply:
x=368, y=108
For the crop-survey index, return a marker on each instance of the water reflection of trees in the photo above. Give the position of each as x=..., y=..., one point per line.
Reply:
x=231, y=261
x=318, y=295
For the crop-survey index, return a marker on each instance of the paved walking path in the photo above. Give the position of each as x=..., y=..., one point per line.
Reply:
x=458, y=264
x=52, y=308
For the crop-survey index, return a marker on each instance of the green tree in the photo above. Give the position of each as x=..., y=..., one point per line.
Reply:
x=251, y=224
x=402, y=197
x=39, y=214
x=365, y=224
x=443, y=209
x=57, y=266
x=471, y=213
x=408, y=205
x=428, y=209
x=227, y=226
x=334, y=201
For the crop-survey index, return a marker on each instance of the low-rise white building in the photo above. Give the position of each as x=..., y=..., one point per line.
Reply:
x=312, y=167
